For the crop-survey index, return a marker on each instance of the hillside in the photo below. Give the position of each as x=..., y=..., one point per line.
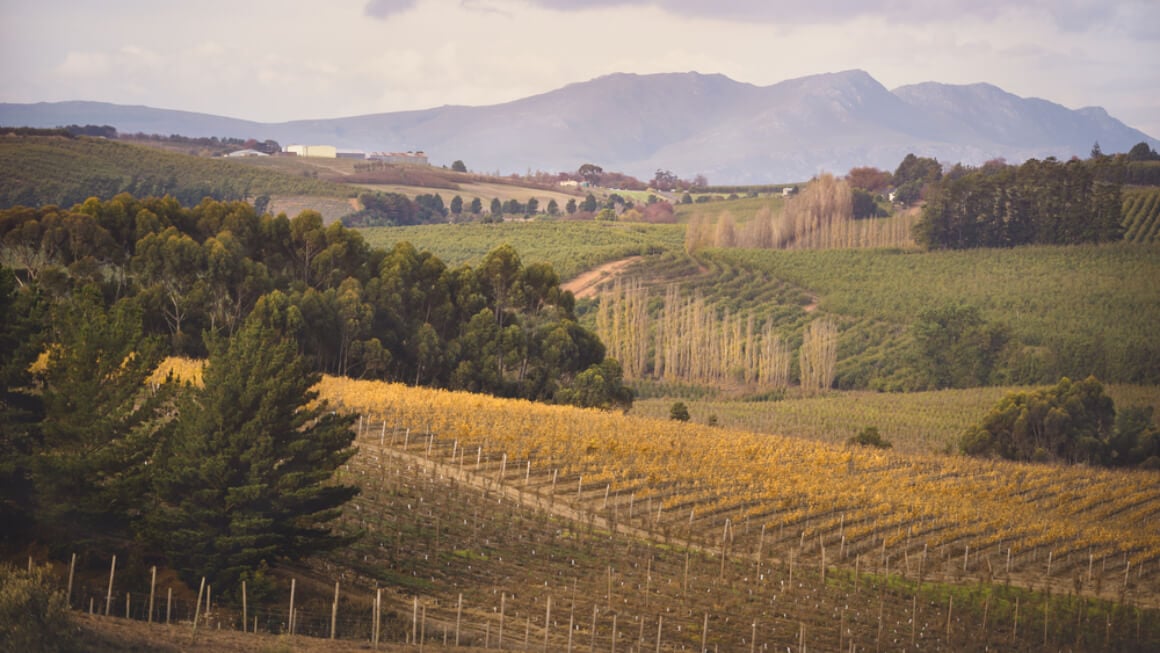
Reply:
x=689, y=123
x=36, y=170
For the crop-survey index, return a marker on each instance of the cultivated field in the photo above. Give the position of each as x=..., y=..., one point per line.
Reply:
x=914, y=422
x=571, y=247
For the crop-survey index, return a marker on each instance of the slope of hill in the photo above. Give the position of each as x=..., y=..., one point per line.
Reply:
x=686, y=122
x=37, y=170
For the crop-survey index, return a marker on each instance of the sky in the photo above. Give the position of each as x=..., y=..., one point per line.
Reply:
x=278, y=60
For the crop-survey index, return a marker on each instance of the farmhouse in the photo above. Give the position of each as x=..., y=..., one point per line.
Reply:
x=317, y=151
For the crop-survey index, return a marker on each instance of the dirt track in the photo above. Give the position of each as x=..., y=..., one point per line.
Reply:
x=585, y=285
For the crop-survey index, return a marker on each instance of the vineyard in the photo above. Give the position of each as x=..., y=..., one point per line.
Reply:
x=733, y=528
x=1142, y=214
x=571, y=247
x=914, y=422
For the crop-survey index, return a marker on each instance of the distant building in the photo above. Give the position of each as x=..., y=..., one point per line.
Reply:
x=317, y=151
x=789, y=190
x=569, y=183
x=352, y=155
x=407, y=158
x=246, y=153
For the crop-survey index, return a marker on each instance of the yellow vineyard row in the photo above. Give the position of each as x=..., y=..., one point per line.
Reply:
x=739, y=475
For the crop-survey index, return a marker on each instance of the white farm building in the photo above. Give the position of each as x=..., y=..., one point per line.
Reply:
x=317, y=151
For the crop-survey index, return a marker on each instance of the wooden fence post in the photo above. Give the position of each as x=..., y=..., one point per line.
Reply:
x=152, y=589
x=334, y=611
x=197, y=609
x=290, y=619
x=109, y=594
x=72, y=565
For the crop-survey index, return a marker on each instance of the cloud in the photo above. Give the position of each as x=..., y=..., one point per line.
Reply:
x=386, y=8
x=1069, y=15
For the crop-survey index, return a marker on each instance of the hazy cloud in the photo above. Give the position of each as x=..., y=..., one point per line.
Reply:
x=1071, y=15
x=387, y=8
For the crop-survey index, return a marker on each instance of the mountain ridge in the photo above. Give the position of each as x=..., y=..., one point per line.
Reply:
x=690, y=123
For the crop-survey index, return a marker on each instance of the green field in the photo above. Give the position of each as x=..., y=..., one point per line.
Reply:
x=914, y=422
x=742, y=209
x=1089, y=308
x=571, y=247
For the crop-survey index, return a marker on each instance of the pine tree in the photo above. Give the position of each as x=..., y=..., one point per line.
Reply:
x=101, y=418
x=21, y=409
x=243, y=478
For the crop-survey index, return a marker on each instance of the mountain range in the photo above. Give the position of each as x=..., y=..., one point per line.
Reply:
x=688, y=123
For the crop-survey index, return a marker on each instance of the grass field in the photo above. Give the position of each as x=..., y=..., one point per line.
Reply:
x=571, y=247
x=917, y=422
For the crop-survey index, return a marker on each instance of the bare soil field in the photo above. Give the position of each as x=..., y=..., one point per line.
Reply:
x=586, y=285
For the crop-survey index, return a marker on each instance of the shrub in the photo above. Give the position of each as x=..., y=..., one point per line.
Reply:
x=33, y=615
x=869, y=437
x=679, y=412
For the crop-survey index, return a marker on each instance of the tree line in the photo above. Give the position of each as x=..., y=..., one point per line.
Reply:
x=225, y=478
x=1070, y=422
x=219, y=480
x=502, y=328
x=1039, y=202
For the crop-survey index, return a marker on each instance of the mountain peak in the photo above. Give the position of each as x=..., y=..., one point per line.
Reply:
x=687, y=122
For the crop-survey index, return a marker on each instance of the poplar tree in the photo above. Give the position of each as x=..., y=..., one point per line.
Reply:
x=244, y=478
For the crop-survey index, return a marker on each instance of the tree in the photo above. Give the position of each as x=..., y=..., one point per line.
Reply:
x=496, y=208
x=533, y=206
x=664, y=180
x=21, y=408
x=679, y=412
x=1071, y=422
x=243, y=476
x=599, y=386
x=863, y=204
x=912, y=177
x=476, y=206
x=101, y=421
x=570, y=206
x=818, y=358
x=590, y=173
x=456, y=205
x=589, y=204
x=1143, y=152
x=869, y=179
x=553, y=208
x=459, y=166
x=957, y=348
